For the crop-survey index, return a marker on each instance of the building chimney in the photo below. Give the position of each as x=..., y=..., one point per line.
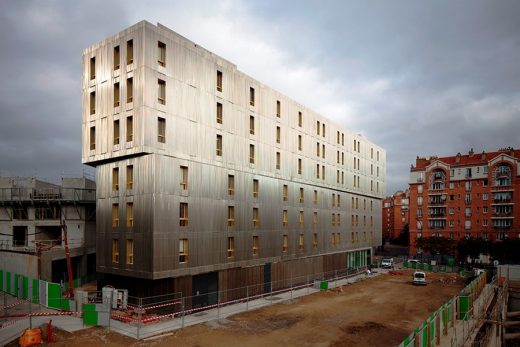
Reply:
x=457, y=158
x=483, y=155
x=471, y=153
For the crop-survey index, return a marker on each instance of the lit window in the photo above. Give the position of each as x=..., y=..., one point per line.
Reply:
x=219, y=145
x=184, y=177
x=92, y=102
x=115, y=215
x=315, y=241
x=92, y=68
x=117, y=58
x=129, y=177
x=256, y=217
x=231, y=216
x=116, y=94
x=129, y=90
x=161, y=130
x=231, y=247
x=256, y=186
x=301, y=219
x=231, y=184
x=183, y=214
x=129, y=129
x=161, y=59
x=315, y=218
x=92, y=140
x=285, y=218
x=129, y=215
x=219, y=113
x=219, y=81
x=115, y=251
x=183, y=251
x=129, y=252
x=115, y=179
x=285, y=244
x=129, y=52
x=116, y=132
x=255, y=245
x=301, y=242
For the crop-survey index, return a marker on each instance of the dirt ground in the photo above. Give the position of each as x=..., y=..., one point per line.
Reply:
x=380, y=311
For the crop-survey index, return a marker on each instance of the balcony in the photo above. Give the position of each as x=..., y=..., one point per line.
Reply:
x=503, y=201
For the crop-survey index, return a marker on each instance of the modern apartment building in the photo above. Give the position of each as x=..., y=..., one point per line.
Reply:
x=208, y=179
x=471, y=195
x=395, y=214
x=31, y=211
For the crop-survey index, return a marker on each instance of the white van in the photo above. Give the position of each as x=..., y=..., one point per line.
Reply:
x=387, y=263
x=419, y=277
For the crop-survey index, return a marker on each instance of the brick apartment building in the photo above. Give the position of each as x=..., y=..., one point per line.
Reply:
x=470, y=195
x=395, y=214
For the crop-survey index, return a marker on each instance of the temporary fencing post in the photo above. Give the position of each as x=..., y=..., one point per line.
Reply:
x=183, y=311
x=139, y=317
x=247, y=298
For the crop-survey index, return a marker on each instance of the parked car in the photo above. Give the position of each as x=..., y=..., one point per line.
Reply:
x=419, y=277
x=413, y=261
x=387, y=263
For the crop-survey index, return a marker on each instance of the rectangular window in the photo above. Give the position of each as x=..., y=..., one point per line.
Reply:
x=129, y=252
x=116, y=132
x=256, y=186
x=115, y=179
x=219, y=113
x=318, y=149
x=231, y=247
x=301, y=218
x=285, y=218
x=219, y=80
x=92, y=68
x=333, y=200
x=278, y=160
x=92, y=102
x=323, y=129
x=161, y=48
x=300, y=146
x=339, y=201
x=115, y=215
x=301, y=243
x=256, y=217
x=342, y=139
x=115, y=251
x=129, y=215
x=231, y=185
x=129, y=129
x=285, y=192
x=302, y=196
x=183, y=214
x=184, y=177
x=256, y=245
x=299, y=166
x=318, y=126
x=333, y=219
x=129, y=52
x=315, y=218
x=323, y=172
x=161, y=130
x=315, y=241
x=251, y=96
x=484, y=196
x=323, y=151
x=337, y=137
x=161, y=92
x=183, y=251
x=278, y=108
x=129, y=177
x=129, y=90
x=231, y=216
x=251, y=125
x=219, y=145
x=315, y=197
x=278, y=134
x=117, y=58
x=116, y=94
x=300, y=119
x=317, y=170
x=285, y=243
x=251, y=154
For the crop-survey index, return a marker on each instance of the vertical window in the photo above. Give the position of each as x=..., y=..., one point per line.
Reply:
x=318, y=149
x=342, y=139
x=300, y=119
x=251, y=125
x=337, y=137
x=251, y=154
x=315, y=218
x=301, y=242
x=115, y=179
x=317, y=170
x=333, y=200
x=371, y=153
x=129, y=215
x=219, y=145
x=115, y=215
x=323, y=172
x=318, y=126
x=129, y=129
x=302, y=196
x=299, y=166
x=161, y=59
x=256, y=186
x=161, y=130
x=129, y=52
x=285, y=218
x=183, y=214
x=342, y=158
x=301, y=218
x=231, y=185
x=129, y=177
x=285, y=192
x=251, y=96
x=315, y=197
x=116, y=132
x=129, y=252
x=92, y=138
x=115, y=251
x=256, y=245
x=323, y=129
x=323, y=151
x=219, y=113
x=161, y=92
x=333, y=219
x=285, y=243
x=116, y=94
x=231, y=216
x=231, y=247
x=183, y=250
x=278, y=160
x=256, y=217
x=300, y=142
x=117, y=58
x=92, y=68
x=219, y=80
x=278, y=108
x=315, y=241
x=129, y=90
x=92, y=102
x=184, y=177
x=278, y=134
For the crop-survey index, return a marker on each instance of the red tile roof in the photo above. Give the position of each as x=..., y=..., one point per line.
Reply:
x=466, y=160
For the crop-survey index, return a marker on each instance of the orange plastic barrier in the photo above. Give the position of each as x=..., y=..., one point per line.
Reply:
x=30, y=337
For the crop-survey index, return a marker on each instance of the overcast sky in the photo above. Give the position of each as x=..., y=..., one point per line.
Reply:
x=415, y=77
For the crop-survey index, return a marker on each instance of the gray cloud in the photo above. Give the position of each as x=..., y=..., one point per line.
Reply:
x=418, y=78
